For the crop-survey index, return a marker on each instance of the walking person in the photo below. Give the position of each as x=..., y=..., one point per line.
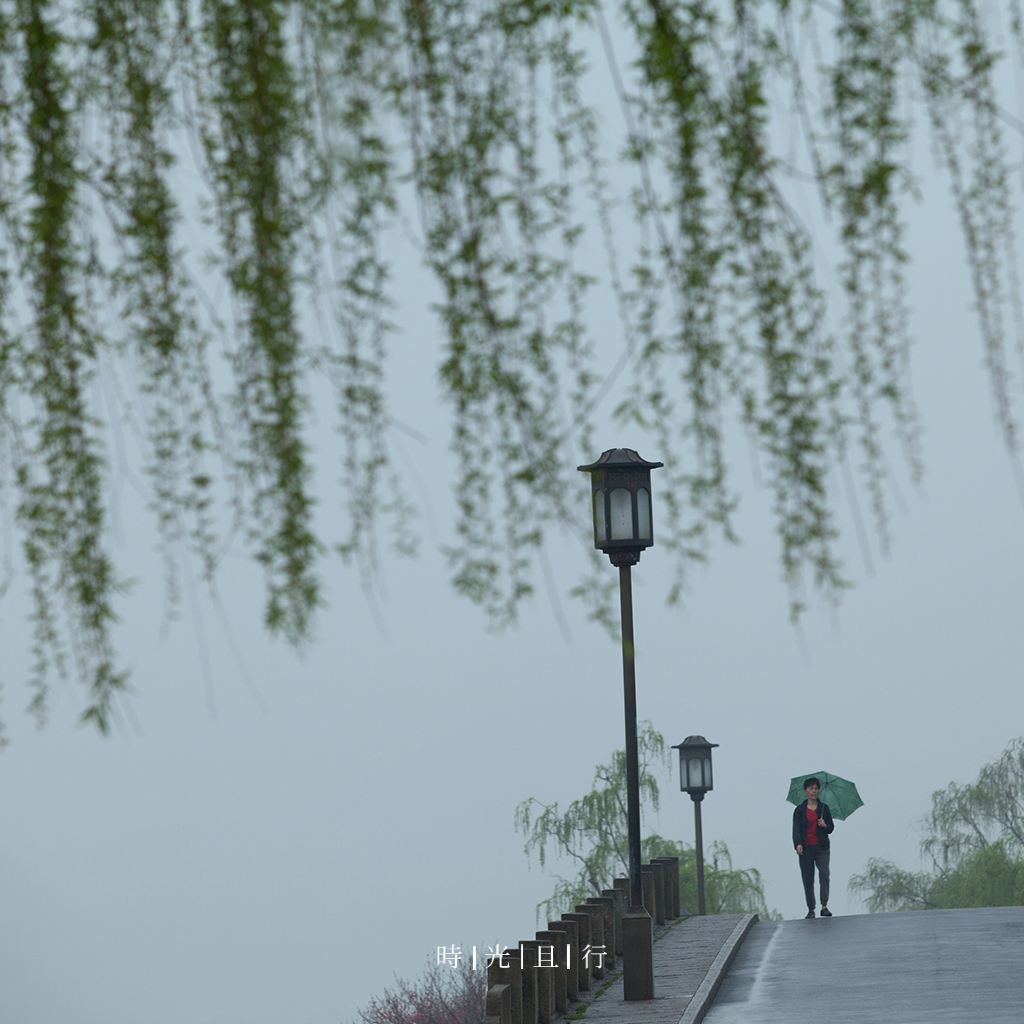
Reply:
x=812, y=825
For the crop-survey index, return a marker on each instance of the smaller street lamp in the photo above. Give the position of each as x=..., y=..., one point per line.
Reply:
x=695, y=778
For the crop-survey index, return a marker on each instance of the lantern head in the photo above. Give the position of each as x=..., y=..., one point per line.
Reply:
x=695, y=766
x=621, y=485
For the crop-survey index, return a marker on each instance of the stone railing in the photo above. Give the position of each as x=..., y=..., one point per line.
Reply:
x=542, y=978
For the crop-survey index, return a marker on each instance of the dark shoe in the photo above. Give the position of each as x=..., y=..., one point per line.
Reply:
x=825, y=912
x=808, y=915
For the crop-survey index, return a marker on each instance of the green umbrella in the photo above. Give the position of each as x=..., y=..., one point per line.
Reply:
x=840, y=794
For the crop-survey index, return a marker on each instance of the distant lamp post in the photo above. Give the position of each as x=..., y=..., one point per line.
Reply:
x=695, y=778
x=623, y=526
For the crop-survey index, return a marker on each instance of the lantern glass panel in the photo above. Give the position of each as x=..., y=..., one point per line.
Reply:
x=621, y=514
x=643, y=514
x=600, y=530
x=707, y=771
x=694, y=773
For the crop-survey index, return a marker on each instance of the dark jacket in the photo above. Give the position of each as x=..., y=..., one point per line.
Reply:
x=800, y=825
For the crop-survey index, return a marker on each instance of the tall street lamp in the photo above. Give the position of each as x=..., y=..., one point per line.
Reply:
x=695, y=779
x=623, y=527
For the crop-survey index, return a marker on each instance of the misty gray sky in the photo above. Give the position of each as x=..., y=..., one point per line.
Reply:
x=276, y=838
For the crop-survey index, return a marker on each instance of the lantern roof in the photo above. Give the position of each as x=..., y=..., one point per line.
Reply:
x=693, y=741
x=625, y=457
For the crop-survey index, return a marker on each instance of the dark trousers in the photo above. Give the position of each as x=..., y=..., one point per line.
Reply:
x=808, y=859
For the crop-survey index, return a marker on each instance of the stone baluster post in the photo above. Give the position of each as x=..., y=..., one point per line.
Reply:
x=499, y=1004
x=596, y=915
x=572, y=938
x=607, y=906
x=583, y=924
x=511, y=975
x=543, y=971
x=650, y=893
x=661, y=884
x=672, y=864
x=558, y=941
x=618, y=898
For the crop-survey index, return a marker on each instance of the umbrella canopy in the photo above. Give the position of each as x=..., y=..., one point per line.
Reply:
x=840, y=794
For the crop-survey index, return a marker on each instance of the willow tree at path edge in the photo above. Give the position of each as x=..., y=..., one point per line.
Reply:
x=316, y=126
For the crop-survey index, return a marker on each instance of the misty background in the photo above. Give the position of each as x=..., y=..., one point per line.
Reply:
x=270, y=836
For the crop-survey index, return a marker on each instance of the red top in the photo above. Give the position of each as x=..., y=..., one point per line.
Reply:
x=811, y=838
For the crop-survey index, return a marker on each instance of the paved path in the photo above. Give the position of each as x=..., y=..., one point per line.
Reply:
x=683, y=955
x=921, y=967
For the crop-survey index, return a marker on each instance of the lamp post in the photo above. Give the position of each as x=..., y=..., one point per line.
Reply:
x=695, y=779
x=623, y=526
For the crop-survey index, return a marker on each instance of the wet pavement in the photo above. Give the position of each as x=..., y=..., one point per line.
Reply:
x=920, y=967
x=686, y=953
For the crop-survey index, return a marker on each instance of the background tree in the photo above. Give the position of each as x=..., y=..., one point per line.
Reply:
x=313, y=126
x=442, y=995
x=591, y=832
x=727, y=890
x=974, y=837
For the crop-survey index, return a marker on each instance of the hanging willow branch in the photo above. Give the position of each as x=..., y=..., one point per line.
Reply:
x=193, y=200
